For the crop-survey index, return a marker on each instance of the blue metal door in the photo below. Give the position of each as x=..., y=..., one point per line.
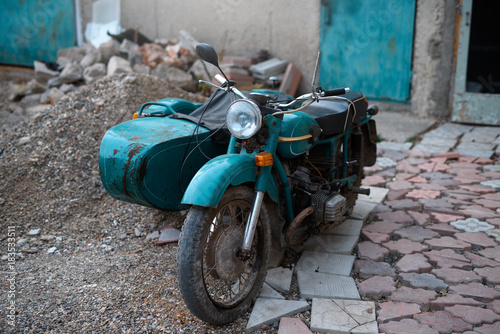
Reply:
x=35, y=30
x=367, y=45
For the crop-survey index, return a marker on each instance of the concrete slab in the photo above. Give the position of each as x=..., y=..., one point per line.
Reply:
x=399, y=126
x=280, y=279
x=433, y=149
x=377, y=195
x=348, y=227
x=335, y=264
x=438, y=141
x=268, y=292
x=482, y=134
x=332, y=244
x=267, y=311
x=343, y=316
x=391, y=146
x=449, y=130
x=168, y=235
x=320, y=285
x=362, y=209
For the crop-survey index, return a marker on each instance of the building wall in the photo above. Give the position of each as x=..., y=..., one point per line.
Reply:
x=288, y=29
x=433, y=56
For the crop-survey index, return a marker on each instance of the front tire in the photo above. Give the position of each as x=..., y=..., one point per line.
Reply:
x=215, y=284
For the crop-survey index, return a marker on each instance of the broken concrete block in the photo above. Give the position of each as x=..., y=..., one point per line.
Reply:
x=291, y=80
x=107, y=50
x=71, y=73
x=175, y=76
x=141, y=68
x=91, y=58
x=51, y=96
x=94, y=72
x=43, y=73
x=118, y=65
x=75, y=54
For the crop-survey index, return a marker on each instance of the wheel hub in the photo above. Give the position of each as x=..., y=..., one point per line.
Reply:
x=223, y=256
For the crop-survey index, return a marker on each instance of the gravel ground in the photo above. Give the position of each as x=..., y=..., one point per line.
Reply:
x=90, y=267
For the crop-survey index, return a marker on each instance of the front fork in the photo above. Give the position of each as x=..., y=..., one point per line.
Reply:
x=274, y=126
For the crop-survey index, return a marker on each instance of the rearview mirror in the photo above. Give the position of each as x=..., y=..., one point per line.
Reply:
x=207, y=53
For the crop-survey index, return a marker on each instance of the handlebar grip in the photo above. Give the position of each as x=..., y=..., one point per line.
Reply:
x=220, y=78
x=336, y=91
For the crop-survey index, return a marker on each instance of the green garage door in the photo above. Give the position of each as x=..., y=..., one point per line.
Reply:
x=35, y=30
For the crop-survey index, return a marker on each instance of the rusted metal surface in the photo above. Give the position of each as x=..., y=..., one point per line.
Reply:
x=290, y=237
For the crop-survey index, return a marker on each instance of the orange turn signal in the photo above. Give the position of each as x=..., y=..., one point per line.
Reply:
x=136, y=114
x=264, y=159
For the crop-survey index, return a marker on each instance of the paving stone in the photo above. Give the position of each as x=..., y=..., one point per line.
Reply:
x=478, y=189
x=433, y=149
x=427, y=167
x=430, y=186
x=415, y=233
x=403, y=176
x=402, y=327
x=372, y=169
x=495, y=234
x=370, y=251
x=492, y=168
x=380, y=208
x=377, y=195
x=438, y=205
x=382, y=227
x=375, y=237
x=335, y=264
x=473, y=315
x=399, y=217
x=322, y=285
x=443, y=321
x=477, y=211
x=479, y=261
x=413, y=263
x=456, y=276
x=338, y=244
x=280, y=279
x=488, y=329
x=451, y=300
x=377, y=287
x=350, y=227
x=448, y=242
x=343, y=316
x=475, y=290
x=448, y=156
x=494, y=221
x=423, y=194
x=477, y=239
x=495, y=306
x=397, y=194
x=267, y=311
x=367, y=269
x=442, y=229
x=424, y=281
x=373, y=180
x=421, y=297
x=442, y=218
x=268, y=292
x=362, y=209
x=491, y=275
x=488, y=203
x=293, y=326
x=385, y=163
x=420, y=218
x=390, y=311
x=433, y=176
x=447, y=258
x=399, y=185
x=404, y=204
x=405, y=246
x=491, y=253
x=417, y=179
x=395, y=155
x=495, y=184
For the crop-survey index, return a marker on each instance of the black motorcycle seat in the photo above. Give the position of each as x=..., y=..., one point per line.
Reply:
x=336, y=115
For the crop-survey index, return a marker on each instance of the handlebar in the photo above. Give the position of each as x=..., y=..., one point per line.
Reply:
x=335, y=92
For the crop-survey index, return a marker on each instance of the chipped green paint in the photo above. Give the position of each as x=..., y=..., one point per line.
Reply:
x=35, y=30
x=367, y=45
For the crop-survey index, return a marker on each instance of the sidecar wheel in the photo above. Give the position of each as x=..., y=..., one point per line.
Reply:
x=215, y=284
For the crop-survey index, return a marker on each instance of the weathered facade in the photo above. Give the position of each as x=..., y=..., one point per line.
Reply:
x=292, y=29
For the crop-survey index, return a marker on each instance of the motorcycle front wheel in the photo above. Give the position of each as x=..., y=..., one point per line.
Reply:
x=216, y=285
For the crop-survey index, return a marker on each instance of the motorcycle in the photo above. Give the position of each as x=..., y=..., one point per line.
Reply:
x=259, y=171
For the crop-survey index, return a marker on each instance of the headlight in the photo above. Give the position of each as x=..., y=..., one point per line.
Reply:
x=243, y=118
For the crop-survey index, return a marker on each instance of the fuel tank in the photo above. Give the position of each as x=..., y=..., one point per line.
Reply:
x=296, y=125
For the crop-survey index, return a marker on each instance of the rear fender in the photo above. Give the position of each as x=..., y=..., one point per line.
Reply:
x=211, y=181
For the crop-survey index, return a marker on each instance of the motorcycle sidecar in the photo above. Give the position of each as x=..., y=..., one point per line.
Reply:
x=151, y=160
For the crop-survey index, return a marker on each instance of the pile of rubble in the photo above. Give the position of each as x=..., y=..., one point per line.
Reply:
x=174, y=61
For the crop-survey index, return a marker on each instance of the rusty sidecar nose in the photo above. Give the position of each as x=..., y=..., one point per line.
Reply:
x=147, y=161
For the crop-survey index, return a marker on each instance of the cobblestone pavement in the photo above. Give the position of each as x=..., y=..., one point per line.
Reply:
x=428, y=255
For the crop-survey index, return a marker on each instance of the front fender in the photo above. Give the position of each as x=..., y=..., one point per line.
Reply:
x=211, y=181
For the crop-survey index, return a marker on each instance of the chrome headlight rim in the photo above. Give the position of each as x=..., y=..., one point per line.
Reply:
x=255, y=114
